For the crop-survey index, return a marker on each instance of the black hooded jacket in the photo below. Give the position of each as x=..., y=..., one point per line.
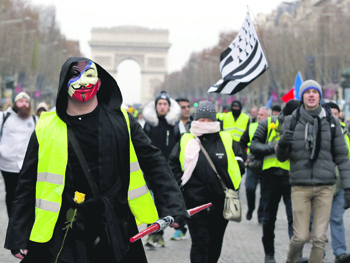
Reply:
x=110, y=168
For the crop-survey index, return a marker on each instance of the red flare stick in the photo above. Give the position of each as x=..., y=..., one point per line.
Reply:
x=198, y=209
x=155, y=226
x=149, y=230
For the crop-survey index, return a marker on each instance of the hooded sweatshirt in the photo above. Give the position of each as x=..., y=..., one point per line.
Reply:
x=109, y=164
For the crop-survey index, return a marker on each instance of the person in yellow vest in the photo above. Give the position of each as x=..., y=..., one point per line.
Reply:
x=200, y=183
x=336, y=221
x=235, y=121
x=252, y=180
x=274, y=177
x=91, y=146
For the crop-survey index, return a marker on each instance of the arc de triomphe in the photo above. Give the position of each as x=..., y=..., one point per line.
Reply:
x=148, y=47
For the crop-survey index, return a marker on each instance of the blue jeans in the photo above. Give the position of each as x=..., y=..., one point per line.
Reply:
x=337, y=224
x=251, y=183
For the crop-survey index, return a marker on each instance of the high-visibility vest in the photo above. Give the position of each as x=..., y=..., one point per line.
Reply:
x=252, y=128
x=346, y=138
x=271, y=160
x=233, y=167
x=52, y=136
x=236, y=128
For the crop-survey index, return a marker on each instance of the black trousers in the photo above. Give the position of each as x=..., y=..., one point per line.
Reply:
x=275, y=187
x=10, y=180
x=207, y=231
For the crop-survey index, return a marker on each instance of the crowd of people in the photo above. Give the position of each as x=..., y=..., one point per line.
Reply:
x=162, y=161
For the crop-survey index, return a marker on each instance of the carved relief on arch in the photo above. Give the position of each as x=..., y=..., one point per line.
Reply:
x=140, y=59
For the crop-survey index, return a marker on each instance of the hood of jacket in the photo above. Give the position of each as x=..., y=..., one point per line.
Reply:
x=109, y=94
x=150, y=113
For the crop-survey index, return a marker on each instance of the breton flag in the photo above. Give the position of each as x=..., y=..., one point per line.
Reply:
x=242, y=62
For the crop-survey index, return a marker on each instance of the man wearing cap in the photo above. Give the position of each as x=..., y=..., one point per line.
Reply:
x=337, y=212
x=234, y=121
x=313, y=142
x=17, y=125
x=274, y=178
x=276, y=109
x=42, y=106
x=161, y=116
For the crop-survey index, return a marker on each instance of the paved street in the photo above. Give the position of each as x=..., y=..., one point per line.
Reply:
x=242, y=241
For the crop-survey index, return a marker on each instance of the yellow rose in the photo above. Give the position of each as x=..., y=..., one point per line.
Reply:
x=79, y=198
x=273, y=126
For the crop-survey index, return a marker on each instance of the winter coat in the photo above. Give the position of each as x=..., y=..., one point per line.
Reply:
x=187, y=126
x=204, y=185
x=14, y=140
x=261, y=149
x=113, y=170
x=161, y=130
x=322, y=170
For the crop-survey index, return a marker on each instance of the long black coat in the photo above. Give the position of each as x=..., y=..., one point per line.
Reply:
x=204, y=186
x=113, y=166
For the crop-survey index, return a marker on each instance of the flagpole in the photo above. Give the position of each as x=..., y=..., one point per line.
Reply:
x=263, y=43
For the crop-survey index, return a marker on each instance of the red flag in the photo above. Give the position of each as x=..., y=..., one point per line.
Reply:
x=288, y=96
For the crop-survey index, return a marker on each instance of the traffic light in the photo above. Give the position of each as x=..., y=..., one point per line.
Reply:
x=195, y=104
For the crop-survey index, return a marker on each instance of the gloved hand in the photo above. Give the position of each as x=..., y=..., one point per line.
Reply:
x=180, y=220
x=346, y=198
x=286, y=139
x=19, y=253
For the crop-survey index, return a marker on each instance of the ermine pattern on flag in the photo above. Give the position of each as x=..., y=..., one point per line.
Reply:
x=242, y=62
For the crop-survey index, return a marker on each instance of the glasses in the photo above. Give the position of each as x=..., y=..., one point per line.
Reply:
x=184, y=107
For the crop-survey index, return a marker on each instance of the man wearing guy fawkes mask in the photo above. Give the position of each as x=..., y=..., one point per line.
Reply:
x=85, y=147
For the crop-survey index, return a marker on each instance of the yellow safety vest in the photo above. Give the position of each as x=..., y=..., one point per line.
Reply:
x=233, y=167
x=236, y=128
x=252, y=128
x=271, y=160
x=51, y=133
x=346, y=138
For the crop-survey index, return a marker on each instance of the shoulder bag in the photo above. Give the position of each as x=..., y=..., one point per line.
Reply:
x=232, y=206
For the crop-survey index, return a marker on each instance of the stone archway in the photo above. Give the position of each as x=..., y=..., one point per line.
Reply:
x=148, y=47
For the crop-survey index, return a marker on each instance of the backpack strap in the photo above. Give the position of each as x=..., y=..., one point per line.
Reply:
x=4, y=118
x=34, y=119
x=331, y=122
x=294, y=120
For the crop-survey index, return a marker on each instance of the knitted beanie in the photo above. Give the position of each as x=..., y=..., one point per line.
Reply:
x=333, y=105
x=276, y=108
x=206, y=109
x=310, y=84
x=290, y=107
x=21, y=95
x=162, y=96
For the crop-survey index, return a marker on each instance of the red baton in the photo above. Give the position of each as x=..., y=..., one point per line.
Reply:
x=165, y=222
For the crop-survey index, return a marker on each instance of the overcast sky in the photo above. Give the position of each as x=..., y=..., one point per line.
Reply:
x=193, y=25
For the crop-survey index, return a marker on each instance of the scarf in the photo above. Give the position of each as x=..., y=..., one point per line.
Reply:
x=313, y=131
x=193, y=146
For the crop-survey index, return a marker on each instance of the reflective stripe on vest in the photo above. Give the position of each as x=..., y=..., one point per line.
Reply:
x=140, y=199
x=252, y=128
x=236, y=128
x=271, y=160
x=51, y=133
x=233, y=167
x=347, y=140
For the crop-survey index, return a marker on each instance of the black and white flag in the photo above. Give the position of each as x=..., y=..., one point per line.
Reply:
x=242, y=62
